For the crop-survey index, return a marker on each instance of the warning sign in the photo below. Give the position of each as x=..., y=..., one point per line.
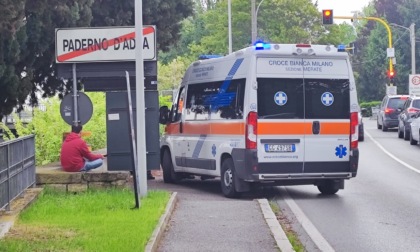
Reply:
x=76, y=45
x=414, y=84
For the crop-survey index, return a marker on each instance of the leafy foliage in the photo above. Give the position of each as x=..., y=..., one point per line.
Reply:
x=49, y=128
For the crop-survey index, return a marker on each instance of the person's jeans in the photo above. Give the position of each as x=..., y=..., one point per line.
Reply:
x=89, y=165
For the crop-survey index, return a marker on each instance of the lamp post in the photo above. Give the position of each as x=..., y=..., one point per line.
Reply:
x=254, y=15
x=413, y=45
x=230, y=26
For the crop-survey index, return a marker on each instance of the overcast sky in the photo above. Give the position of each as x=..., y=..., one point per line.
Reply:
x=342, y=7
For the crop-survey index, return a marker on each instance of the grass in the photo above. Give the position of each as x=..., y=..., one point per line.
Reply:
x=96, y=220
x=291, y=235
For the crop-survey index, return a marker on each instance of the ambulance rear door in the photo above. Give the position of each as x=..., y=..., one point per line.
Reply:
x=281, y=122
x=327, y=115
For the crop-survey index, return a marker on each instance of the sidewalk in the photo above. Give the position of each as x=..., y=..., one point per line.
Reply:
x=204, y=220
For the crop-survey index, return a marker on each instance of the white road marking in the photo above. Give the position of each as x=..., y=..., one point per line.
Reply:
x=392, y=156
x=315, y=235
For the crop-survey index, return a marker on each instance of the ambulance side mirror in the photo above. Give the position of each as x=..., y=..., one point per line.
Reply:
x=163, y=115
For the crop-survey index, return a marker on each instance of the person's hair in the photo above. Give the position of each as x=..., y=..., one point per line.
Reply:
x=76, y=128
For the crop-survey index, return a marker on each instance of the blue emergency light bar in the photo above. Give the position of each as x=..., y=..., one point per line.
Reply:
x=259, y=45
x=341, y=48
x=209, y=56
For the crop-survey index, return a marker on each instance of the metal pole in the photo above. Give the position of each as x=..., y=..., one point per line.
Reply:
x=256, y=18
x=133, y=142
x=413, y=48
x=75, y=113
x=253, y=22
x=230, y=26
x=141, y=124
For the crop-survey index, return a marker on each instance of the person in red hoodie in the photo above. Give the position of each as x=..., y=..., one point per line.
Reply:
x=75, y=155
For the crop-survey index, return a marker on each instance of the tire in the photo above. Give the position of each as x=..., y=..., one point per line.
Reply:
x=406, y=134
x=361, y=133
x=412, y=141
x=328, y=188
x=384, y=129
x=400, y=133
x=227, y=179
x=378, y=125
x=169, y=175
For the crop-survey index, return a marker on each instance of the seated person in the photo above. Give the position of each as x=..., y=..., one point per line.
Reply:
x=75, y=155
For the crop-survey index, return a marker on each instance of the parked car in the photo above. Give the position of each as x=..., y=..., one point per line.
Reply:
x=389, y=110
x=415, y=129
x=411, y=107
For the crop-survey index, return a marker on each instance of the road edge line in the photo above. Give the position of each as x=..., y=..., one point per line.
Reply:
x=307, y=225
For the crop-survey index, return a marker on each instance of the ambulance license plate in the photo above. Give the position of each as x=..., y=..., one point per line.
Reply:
x=280, y=148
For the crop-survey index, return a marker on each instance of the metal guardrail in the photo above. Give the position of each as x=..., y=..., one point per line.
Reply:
x=17, y=168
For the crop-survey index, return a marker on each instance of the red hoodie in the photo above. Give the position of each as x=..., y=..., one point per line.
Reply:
x=73, y=151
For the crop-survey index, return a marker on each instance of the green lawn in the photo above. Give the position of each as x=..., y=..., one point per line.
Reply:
x=100, y=220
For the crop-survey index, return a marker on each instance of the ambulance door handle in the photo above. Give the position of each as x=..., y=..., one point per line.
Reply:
x=180, y=127
x=316, y=127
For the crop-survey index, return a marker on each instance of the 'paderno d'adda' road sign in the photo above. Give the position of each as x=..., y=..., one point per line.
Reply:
x=102, y=44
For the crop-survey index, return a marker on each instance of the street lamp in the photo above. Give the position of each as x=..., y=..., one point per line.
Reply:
x=413, y=45
x=254, y=14
x=230, y=26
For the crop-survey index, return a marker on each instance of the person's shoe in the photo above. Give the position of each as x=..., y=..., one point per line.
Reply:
x=150, y=176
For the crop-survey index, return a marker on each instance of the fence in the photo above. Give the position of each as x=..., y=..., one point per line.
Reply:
x=17, y=168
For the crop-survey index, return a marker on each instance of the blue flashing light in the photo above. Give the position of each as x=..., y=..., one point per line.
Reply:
x=259, y=45
x=341, y=48
x=209, y=56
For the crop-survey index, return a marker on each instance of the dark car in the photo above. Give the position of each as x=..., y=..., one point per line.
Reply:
x=389, y=110
x=411, y=107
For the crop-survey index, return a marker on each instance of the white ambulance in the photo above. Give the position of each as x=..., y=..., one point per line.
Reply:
x=269, y=114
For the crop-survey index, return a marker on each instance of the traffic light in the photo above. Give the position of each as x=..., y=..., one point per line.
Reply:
x=391, y=74
x=327, y=17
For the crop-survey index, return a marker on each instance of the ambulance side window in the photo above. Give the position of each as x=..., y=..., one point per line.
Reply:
x=215, y=100
x=176, y=113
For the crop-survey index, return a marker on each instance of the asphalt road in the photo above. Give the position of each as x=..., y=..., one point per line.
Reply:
x=379, y=210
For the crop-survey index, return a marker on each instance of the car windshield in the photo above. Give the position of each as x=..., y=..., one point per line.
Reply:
x=396, y=103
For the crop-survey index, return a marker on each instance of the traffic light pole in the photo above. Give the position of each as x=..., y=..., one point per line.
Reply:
x=391, y=66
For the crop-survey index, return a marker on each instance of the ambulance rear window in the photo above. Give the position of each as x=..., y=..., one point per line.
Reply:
x=288, y=98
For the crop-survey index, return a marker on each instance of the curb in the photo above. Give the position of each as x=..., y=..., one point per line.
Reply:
x=8, y=219
x=279, y=235
x=157, y=234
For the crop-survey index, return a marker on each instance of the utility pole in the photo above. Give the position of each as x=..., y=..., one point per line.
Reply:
x=230, y=26
x=413, y=44
x=253, y=22
x=413, y=48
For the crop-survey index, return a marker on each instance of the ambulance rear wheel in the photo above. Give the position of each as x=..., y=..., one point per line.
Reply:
x=227, y=179
x=169, y=174
x=329, y=187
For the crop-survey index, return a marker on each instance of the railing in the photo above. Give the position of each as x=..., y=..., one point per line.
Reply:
x=17, y=168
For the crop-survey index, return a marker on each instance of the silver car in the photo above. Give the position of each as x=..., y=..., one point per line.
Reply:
x=415, y=129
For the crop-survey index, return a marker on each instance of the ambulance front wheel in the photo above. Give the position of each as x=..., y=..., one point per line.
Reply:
x=329, y=187
x=227, y=179
x=169, y=174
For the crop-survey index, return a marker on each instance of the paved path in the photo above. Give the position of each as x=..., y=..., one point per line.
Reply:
x=204, y=220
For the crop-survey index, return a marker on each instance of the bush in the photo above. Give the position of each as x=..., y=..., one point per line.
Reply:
x=368, y=106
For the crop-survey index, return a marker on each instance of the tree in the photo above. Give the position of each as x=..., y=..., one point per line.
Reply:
x=27, y=38
x=14, y=87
